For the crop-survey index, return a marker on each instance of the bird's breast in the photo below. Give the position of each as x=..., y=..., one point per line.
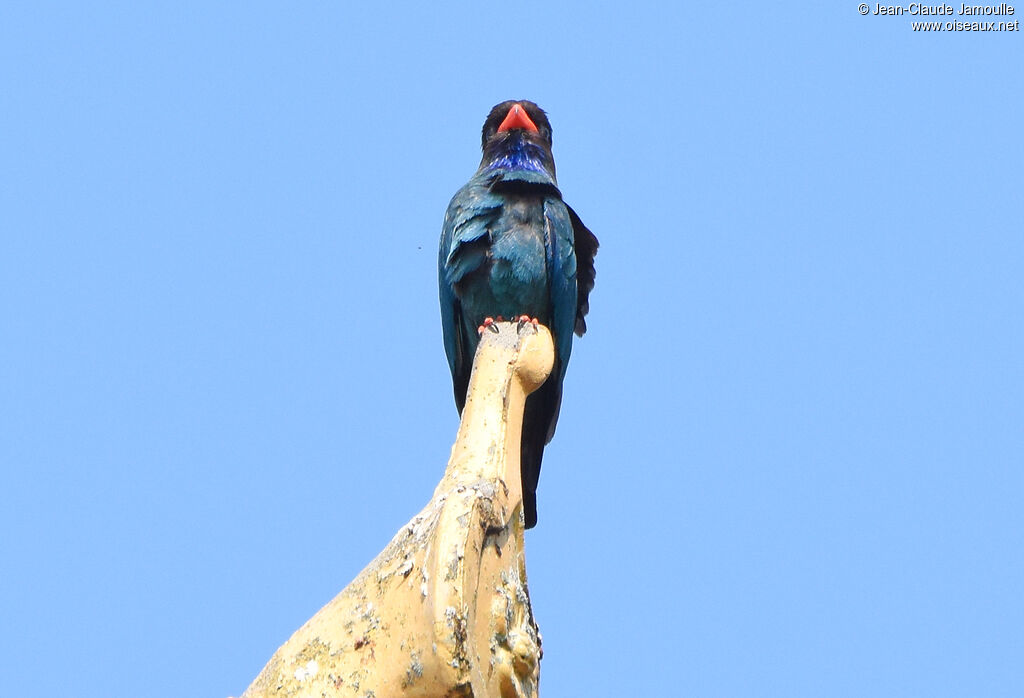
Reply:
x=514, y=281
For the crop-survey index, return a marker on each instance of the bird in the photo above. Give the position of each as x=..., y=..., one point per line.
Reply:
x=512, y=248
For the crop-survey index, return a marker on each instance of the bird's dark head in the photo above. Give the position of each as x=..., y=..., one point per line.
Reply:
x=517, y=136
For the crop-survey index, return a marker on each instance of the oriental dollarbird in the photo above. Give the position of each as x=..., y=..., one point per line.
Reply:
x=511, y=248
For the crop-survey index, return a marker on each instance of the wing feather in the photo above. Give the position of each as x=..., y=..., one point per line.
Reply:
x=585, y=244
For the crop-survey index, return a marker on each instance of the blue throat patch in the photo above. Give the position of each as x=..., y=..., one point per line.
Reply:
x=520, y=156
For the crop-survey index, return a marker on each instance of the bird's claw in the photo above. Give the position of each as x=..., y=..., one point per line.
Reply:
x=489, y=325
x=525, y=320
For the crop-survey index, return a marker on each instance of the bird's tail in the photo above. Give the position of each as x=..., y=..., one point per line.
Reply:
x=539, y=421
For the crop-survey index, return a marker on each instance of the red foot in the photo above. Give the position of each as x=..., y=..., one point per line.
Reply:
x=525, y=320
x=488, y=325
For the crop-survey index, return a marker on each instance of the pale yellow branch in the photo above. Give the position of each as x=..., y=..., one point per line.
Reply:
x=443, y=610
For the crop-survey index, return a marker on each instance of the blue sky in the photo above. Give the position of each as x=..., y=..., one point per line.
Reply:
x=789, y=456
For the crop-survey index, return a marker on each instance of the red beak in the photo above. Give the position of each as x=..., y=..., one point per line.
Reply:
x=517, y=118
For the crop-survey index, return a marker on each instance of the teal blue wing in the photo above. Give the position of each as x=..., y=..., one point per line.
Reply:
x=562, y=279
x=463, y=251
x=585, y=244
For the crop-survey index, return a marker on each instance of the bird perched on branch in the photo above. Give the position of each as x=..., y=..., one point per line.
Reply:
x=511, y=248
